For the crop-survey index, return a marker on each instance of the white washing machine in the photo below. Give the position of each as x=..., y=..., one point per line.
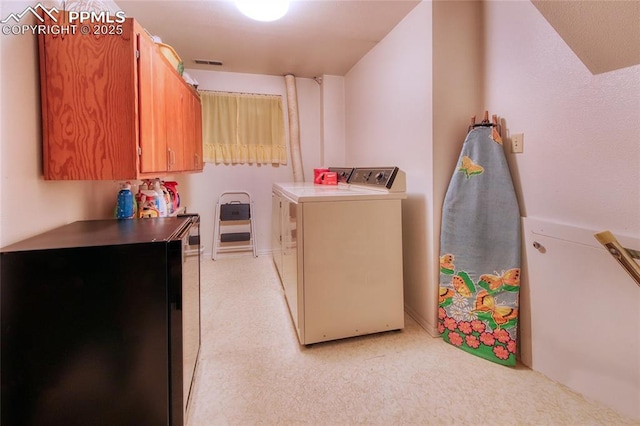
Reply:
x=338, y=250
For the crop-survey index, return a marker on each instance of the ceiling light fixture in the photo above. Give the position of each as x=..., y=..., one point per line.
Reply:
x=263, y=10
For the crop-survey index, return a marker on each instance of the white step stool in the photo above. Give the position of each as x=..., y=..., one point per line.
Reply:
x=234, y=230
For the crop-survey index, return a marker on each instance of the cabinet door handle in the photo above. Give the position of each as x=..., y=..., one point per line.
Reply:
x=197, y=161
x=172, y=158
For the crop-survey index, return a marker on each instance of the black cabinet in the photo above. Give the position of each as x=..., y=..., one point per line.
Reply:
x=92, y=329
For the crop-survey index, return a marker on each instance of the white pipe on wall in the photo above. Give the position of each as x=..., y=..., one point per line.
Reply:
x=294, y=127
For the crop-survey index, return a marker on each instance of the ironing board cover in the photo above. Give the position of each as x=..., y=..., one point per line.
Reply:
x=480, y=252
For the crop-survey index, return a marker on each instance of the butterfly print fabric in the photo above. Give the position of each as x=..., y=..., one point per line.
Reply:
x=480, y=252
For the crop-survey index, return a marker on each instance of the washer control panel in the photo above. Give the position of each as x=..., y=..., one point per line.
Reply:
x=344, y=173
x=389, y=178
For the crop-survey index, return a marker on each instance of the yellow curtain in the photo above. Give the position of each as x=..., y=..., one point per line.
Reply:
x=243, y=128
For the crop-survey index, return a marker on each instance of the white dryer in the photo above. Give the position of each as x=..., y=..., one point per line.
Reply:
x=338, y=250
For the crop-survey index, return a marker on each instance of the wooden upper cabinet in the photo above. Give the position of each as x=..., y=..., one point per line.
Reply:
x=113, y=108
x=88, y=87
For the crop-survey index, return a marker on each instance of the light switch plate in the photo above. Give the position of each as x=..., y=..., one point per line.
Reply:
x=517, y=143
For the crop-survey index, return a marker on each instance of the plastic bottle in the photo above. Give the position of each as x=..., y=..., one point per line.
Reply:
x=139, y=198
x=167, y=198
x=125, y=208
x=148, y=205
x=162, y=204
x=173, y=192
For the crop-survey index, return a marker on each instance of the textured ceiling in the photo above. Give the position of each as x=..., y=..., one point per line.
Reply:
x=604, y=34
x=315, y=37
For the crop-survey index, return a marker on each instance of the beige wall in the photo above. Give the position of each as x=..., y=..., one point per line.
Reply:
x=458, y=51
x=408, y=104
x=29, y=204
x=389, y=121
x=333, y=121
x=581, y=160
x=579, y=173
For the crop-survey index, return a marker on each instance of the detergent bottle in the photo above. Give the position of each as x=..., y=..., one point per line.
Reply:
x=148, y=204
x=173, y=194
x=162, y=203
x=125, y=208
x=167, y=198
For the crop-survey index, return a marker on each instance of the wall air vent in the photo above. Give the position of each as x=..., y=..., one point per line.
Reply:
x=207, y=62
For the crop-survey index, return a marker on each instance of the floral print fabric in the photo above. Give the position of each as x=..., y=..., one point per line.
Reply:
x=480, y=253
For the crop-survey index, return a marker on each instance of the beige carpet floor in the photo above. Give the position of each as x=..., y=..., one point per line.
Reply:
x=253, y=371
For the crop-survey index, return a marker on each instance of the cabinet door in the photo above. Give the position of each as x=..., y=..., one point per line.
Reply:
x=197, y=142
x=188, y=130
x=151, y=81
x=88, y=99
x=174, y=110
x=193, y=132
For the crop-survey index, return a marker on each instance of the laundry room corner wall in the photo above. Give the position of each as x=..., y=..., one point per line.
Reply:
x=388, y=97
x=458, y=83
x=408, y=104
